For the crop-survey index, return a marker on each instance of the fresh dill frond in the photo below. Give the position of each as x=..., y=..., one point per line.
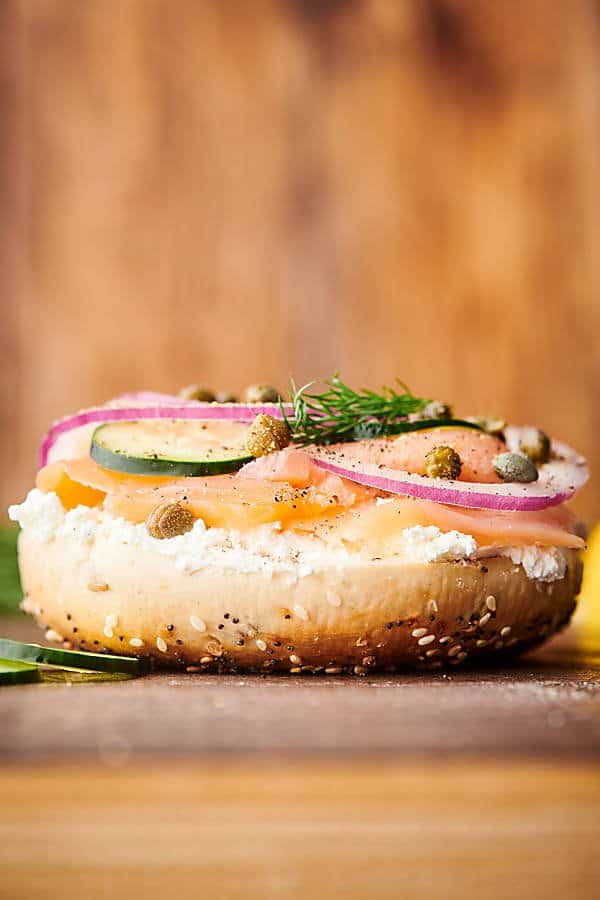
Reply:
x=340, y=413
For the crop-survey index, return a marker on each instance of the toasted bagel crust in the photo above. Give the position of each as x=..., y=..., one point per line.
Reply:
x=366, y=616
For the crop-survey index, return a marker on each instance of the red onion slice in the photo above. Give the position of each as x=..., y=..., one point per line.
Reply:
x=559, y=479
x=171, y=409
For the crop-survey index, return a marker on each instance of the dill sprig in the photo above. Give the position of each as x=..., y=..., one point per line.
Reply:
x=340, y=413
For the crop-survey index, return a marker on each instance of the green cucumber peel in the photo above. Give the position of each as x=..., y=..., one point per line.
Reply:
x=77, y=660
x=15, y=672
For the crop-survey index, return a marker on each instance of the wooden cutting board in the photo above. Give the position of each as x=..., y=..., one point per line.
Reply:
x=547, y=703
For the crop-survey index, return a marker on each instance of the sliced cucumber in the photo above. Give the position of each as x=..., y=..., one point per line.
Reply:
x=171, y=447
x=13, y=672
x=71, y=659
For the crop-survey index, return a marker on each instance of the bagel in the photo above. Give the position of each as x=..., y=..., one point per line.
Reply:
x=215, y=537
x=370, y=614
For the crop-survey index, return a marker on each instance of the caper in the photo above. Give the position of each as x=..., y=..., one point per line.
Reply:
x=436, y=410
x=535, y=444
x=443, y=462
x=266, y=435
x=490, y=424
x=226, y=397
x=197, y=392
x=169, y=520
x=261, y=393
x=514, y=467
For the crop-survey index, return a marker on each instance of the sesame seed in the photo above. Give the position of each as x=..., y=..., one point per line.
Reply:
x=295, y=659
x=432, y=606
x=97, y=586
x=301, y=612
x=446, y=639
x=505, y=631
x=419, y=632
x=462, y=656
x=454, y=650
x=360, y=670
x=108, y=632
x=52, y=635
x=485, y=619
x=261, y=644
x=197, y=623
x=161, y=644
x=490, y=602
x=205, y=660
x=333, y=670
x=215, y=647
x=296, y=670
x=499, y=645
x=136, y=642
x=433, y=652
x=192, y=669
x=428, y=639
x=111, y=621
x=481, y=644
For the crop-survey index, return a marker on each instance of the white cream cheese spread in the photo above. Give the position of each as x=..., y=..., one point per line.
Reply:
x=265, y=548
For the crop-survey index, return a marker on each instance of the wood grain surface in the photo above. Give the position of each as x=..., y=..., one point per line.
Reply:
x=230, y=191
x=449, y=831
x=544, y=706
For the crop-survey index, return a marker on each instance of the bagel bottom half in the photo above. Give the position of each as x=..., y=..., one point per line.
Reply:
x=365, y=616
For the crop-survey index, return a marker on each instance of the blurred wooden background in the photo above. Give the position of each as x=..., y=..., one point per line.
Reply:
x=233, y=190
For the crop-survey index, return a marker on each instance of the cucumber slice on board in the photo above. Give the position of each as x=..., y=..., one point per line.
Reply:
x=14, y=672
x=171, y=447
x=71, y=659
